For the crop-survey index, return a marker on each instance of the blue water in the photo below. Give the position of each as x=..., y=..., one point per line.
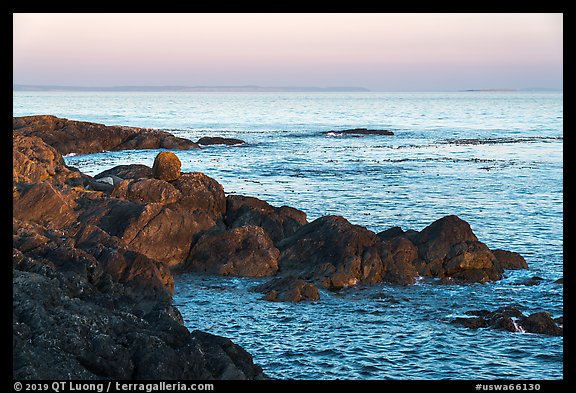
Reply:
x=495, y=159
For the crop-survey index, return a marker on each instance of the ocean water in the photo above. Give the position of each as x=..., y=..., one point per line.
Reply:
x=495, y=159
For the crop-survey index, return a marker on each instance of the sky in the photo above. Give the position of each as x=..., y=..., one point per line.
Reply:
x=378, y=51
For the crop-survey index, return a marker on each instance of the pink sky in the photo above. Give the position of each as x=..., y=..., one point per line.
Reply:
x=376, y=51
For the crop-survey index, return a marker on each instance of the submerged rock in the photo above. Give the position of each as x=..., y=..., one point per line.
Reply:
x=216, y=140
x=359, y=131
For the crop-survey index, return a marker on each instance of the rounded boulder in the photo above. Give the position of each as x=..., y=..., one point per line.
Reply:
x=166, y=166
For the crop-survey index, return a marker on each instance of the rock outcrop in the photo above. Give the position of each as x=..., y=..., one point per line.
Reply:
x=68, y=326
x=92, y=285
x=447, y=249
x=278, y=222
x=333, y=252
x=513, y=320
x=244, y=251
x=71, y=136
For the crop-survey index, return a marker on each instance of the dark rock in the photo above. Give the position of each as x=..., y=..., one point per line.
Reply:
x=513, y=320
x=478, y=313
x=59, y=334
x=435, y=241
x=288, y=289
x=510, y=259
x=86, y=303
x=541, y=323
x=278, y=222
x=166, y=166
x=332, y=252
x=359, y=131
x=471, y=323
x=399, y=259
x=216, y=140
x=242, y=251
x=390, y=233
x=449, y=249
x=559, y=281
x=535, y=280
x=70, y=136
x=132, y=171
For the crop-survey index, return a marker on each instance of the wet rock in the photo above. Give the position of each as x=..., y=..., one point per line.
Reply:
x=59, y=334
x=541, y=323
x=216, y=140
x=449, y=248
x=435, y=241
x=513, y=320
x=70, y=136
x=471, y=323
x=559, y=281
x=399, y=259
x=159, y=219
x=288, y=289
x=86, y=303
x=510, y=259
x=166, y=166
x=390, y=233
x=278, y=222
x=242, y=251
x=332, y=252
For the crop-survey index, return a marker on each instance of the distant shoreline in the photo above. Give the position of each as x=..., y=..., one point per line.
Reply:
x=247, y=88
x=256, y=89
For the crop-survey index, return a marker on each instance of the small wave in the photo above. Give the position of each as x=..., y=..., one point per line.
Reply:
x=518, y=328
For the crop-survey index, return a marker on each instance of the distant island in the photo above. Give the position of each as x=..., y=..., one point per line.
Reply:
x=246, y=88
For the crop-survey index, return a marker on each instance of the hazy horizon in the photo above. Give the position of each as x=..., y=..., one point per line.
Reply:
x=378, y=52
x=250, y=88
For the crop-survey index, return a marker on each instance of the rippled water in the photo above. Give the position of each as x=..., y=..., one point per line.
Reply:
x=493, y=159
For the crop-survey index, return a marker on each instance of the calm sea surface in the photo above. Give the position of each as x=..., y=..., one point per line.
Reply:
x=495, y=159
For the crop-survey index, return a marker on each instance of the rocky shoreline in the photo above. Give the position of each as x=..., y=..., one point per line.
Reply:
x=94, y=257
